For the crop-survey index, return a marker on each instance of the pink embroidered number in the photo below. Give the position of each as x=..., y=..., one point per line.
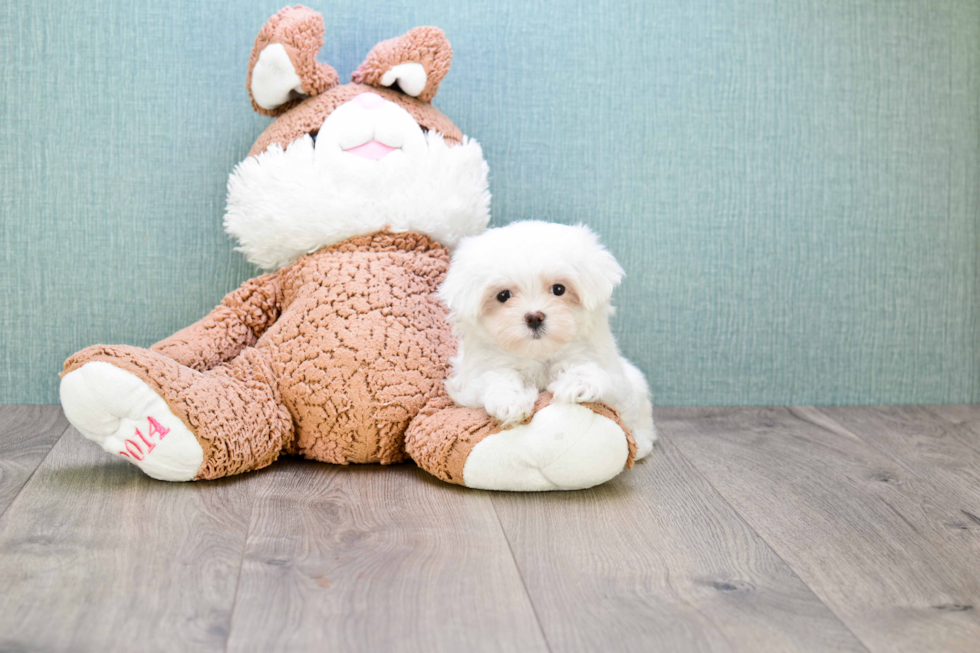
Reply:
x=139, y=446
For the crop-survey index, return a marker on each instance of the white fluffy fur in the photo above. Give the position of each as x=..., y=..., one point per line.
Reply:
x=582, y=364
x=283, y=204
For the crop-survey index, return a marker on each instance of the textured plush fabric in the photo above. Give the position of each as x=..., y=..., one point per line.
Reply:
x=427, y=46
x=792, y=187
x=443, y=435
x=300, y=31
x=236, y=410
x=236, y=323
x=329, y=358
x=307, y=117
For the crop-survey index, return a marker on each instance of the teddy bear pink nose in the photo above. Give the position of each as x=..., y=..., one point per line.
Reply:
x=368, y=100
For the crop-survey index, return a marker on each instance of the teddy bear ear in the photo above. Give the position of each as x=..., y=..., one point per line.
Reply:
x=283, y=70
x=416, y=61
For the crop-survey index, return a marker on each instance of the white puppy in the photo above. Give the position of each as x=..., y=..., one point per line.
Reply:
x=529, y=303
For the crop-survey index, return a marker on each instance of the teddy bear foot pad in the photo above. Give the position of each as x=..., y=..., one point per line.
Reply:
x=120, y=413
x=564, y=447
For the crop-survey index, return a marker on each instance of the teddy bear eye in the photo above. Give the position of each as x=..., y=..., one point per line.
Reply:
x=558, y=289
x=503, y=296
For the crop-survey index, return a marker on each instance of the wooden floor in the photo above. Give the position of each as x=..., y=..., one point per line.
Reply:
x=748, y=529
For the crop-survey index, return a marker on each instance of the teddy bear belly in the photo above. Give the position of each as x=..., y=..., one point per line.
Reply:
x=354, y=380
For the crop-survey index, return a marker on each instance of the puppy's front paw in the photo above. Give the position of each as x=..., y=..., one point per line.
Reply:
x=510, y=406
x=574, y=388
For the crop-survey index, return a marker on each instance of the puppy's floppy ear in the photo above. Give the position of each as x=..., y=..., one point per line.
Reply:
x=462, y=291
x=417, y=61
x=283, y=69
x=597, y=271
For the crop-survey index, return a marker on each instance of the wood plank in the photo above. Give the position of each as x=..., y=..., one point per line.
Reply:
x=868, y=534
x=943, y=451
x=95, y=556
x=370, y=558
x=657, y=560
x=27, y=434
x=967, y=415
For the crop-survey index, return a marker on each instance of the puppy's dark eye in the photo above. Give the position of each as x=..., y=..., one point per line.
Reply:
x=558, y=290
x=503, y=296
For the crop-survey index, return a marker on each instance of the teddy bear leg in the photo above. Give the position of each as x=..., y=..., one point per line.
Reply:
x=122, y=414
x=562, y=446
x=172, y=422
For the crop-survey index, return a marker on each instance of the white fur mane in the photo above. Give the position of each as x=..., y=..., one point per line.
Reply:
x=283, y=204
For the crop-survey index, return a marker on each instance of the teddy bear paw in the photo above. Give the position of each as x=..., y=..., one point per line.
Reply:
x=123, y=415
x=563, y=447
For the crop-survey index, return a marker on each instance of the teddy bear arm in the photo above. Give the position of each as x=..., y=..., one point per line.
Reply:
x=237, y=322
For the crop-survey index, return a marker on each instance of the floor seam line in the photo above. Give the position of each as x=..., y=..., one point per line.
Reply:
x=520, y=574
x=41, y=462
x=911, y=467
x=238, y=577
x=666, y=440
x=931, y=409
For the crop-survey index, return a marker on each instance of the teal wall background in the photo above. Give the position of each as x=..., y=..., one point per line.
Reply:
x=793, y=186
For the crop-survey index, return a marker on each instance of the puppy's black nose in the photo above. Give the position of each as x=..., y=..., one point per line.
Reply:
x=534, y=320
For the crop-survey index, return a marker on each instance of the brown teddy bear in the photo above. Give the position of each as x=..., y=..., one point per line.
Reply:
x=350, y=198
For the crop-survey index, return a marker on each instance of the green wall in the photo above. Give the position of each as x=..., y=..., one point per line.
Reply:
x=792, y=186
